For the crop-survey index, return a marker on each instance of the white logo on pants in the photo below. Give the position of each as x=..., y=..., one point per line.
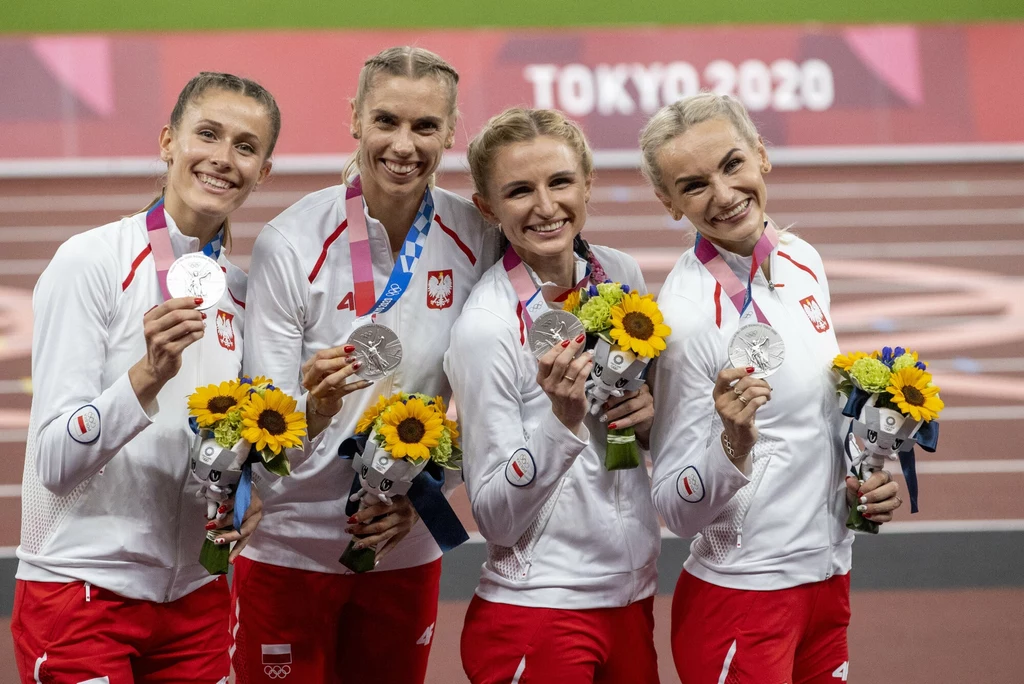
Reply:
x=96, y=680
x=277, y=660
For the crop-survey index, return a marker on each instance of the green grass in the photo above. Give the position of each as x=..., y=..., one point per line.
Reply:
x=57, y=16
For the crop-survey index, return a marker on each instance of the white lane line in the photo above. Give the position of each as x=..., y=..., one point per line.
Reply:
x=129, y=203
x=34, y=267
x=969, y=364
x=917, y=250
x=13, y=436
x=15, y=387
x=931, y=526
x=23, y=234
x=966, y=467
x=10, y=490
x=982, y=413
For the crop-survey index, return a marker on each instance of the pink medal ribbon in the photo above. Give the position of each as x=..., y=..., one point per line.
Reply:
x=741, y=296
x=531, y=303
x=160, y=244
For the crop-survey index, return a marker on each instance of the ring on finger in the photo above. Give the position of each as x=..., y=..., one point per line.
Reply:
x=743, y=399
x=738, y=391
x=566, y=377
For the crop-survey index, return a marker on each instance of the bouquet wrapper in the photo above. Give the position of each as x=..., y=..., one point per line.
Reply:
x=219, y=472
x=615, y=372
x=380, y=478
x=878, y=434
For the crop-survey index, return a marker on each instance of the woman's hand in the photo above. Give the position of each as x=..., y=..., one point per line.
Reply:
x=225, y=519
x=877, y=498
x=168, y=328
x=737, y=398
x=325, y=376
x=633, y=409
x=382, y=525
x=564, y=379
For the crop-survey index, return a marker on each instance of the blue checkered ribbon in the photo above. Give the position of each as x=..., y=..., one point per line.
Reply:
x=408, y=256
x=212, y=248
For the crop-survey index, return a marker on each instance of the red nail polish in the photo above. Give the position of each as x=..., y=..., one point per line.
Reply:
x=611, y=426
x=750, y=369
x=211, y=525
x=203, y=315
x=860, y=493
x=349, y=348
x=356, y=365
x=199, y=300
x=352, y=520
x=222, y=509
x=867, y=515
x=565, y=344
x=582, y=337
x=219, y=541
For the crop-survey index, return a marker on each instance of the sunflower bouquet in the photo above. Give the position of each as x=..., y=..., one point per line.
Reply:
x=238, y=422
x=894, y=405
x=627, y=331
x=399, y=436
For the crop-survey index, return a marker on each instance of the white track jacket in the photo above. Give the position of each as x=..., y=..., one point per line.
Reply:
x=784, y=525
x=561, y=530
x=107, y=497
x=301, y=301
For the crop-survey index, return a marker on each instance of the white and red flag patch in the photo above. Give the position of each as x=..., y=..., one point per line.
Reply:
x=520, y=469
x=440, y=289
x=84, y=425
x=226, y=330
x=276, y=654
x=689, y=485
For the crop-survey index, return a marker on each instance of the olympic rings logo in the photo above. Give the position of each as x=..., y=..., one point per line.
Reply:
x=277, y=671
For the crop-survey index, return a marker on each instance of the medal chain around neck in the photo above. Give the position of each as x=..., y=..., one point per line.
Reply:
x=740, y=295
x=366, y=300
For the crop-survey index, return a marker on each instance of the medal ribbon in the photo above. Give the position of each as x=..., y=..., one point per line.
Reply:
x=409, y=255
x=530, y=299
x=160, y=244
x=741, y=296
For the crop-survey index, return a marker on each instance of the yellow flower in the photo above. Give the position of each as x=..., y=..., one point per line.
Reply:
x=845, y=361
x=371, y=414
x=452, y=426
x=915, y=395
x=572, y=302
x=637, y=324
x=212, y=403
x=271, y=421
x=411, y=429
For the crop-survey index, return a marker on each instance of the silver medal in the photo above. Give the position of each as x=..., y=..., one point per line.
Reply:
x=553, y=327
x=757, y=345
x=197, y=275
x=378, y=349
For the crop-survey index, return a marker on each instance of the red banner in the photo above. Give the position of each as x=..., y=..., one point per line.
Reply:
x=108, y=96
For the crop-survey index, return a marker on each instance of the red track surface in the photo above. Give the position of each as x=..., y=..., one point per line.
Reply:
x=928, y=257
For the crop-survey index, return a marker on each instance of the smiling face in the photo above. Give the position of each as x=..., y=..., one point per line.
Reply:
x=404, y=126
x=538, y=193
x=714, y=177
x=215, y=156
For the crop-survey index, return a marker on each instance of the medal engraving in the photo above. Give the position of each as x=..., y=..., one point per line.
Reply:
x=551, y=328
x=197, y=275
x=757, y=345
x=378, y=349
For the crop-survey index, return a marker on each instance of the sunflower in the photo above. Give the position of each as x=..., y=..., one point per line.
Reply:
x=412, y=429
x=259, y=382
x=637, y=324
x=212, y=403
x=572, y=302
x=845, y=361
x=915, y=395
x=271, y=421
x=452, y=426
x=371, y=415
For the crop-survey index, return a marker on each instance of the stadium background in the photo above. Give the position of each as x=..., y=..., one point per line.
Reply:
x=919, y=250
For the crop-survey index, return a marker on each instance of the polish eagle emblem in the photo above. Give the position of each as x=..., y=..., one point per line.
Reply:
x=440, y=289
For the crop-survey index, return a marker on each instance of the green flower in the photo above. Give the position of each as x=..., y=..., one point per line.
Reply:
x=905, y=361
x=596, y=315
x=871, y=375
x=229, y=429
x=610, y=292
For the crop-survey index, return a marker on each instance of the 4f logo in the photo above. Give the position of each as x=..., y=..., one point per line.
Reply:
x=842, y=672
x=814, y=313
x=347, y=302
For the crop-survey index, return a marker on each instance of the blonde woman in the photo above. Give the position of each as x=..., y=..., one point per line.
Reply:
x=313, y=280
x=567, y=592
x=752, y=465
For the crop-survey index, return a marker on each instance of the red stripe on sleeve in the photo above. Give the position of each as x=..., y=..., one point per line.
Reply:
x=327, y=245
x=135, y=264
x=718, y=304
x=454, y=236
x=235, y=299
x=798, y=264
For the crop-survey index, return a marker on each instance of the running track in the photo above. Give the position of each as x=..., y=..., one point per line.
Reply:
x=927, y=257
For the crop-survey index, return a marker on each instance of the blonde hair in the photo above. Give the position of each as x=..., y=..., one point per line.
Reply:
x=410, y=62
x=522, y=125
x=673, y=120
